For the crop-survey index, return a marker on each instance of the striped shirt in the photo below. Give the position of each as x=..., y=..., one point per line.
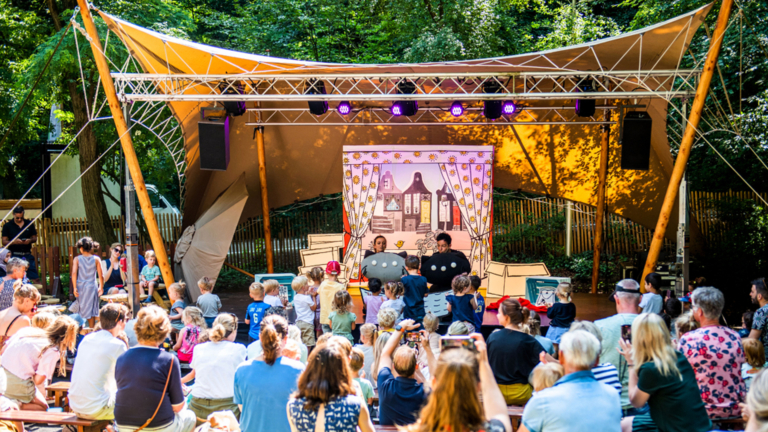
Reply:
x=607, y=373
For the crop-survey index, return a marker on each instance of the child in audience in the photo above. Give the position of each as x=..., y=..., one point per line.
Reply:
x=746, y=323
x=255, y=312
x=378, y=348
x=368, y=336
x=474, y=287
x=176, y=294
x=272, y=293
x=415, y=289
x=207, y=302
x=305, y=306
x=342, y=320
x=684, y=324
x=194, y=326
x=562, y=314
x=373, y=302
x=356, y=361
x=545, y=375
x=87, y=280
x=295, y=334
x=652, y=302
x=393, y=291
x=43, y=320
x=461, y=304
x=755, y=354
x=459, y=328
x=387, y=318
x=430, y=324
x=534, y=329
x=150, y=275
x=316, y=276
x=327, y=293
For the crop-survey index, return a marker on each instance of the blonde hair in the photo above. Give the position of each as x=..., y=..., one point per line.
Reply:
x=149, y=254
x=587, y=326
x=342, y=302
x=754, y=352
x=271, y=285
x=580, y=348
x=458, y=328
x=381, y=342
x=61, y=335
x=356, y=359
x=396, y=288
x=369, y=332
x=545, y=375
x=292, y=350
x=179, y=288
x=195, y=316
x=43, y=320
x=316, y=274
x=256, y=289
x=431, y=322
x=460, y=284
x=387, y=317
x=205, y=284
x=152, y=325
x=564, y=291
x=294, y=333
x=685, y=323
x=223, y=326
x=25, y=291
x=757, y=398
x=299, y=283
x=651, y=342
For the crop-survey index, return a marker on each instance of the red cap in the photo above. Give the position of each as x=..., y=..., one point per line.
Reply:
x=333, y=268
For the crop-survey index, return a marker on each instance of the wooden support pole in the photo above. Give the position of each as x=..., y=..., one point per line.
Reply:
x=688, y=137
x=127, y=143
x=602, y=174
x=265, y=197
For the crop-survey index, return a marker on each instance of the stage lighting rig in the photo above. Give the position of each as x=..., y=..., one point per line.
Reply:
x=344, y=108
x=405, y=107
x=313, y=87
x=233, y=108
x=457, y=109
x=492, y=108
x=585, y=107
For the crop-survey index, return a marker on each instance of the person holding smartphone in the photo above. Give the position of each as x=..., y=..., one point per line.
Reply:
x=21, y=247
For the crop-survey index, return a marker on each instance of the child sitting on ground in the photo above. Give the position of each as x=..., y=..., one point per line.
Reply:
x=342, y=320
x=368, y=336
x=755, y=354
x=255, y=312
x=150, y=276
x=272, y=293
x=176, y=294
x=316, y=276
x=652, y=302
x=356, y=362
x=545, y=375
x=562, y=314
x=327, y=292
x=207, y=302
x=746, y=323
x=461, y=303
x=387, y=318
x=474, y=287
x=305, y=306
x=373, y=302
x=194, y=326
x=415, y=289
x=393, y=291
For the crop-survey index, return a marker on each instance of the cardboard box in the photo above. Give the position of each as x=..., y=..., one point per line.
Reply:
x=509, y=279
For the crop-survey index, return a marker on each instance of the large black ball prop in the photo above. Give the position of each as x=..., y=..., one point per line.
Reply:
x=385, y=266
x=440, y=269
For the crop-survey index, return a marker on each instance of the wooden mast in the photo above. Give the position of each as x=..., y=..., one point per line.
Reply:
x=125, y=141
x=688, y=136
x=602, y=174
x=264, y=197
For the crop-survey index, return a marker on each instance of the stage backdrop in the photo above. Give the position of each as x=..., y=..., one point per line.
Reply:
x=411, y=193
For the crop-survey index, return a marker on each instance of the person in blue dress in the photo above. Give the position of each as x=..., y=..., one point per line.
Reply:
x=86, y=267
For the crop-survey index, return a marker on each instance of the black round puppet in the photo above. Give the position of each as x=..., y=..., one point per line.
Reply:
x=440, y=269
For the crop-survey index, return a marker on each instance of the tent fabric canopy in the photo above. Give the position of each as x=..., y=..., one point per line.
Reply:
x=305, y=161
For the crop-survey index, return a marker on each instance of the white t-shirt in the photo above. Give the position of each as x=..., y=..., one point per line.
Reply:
x=22, y=355
x=93, y=375
x=397, y=305
x=215, y=364
x=254, y=350
x=273, y=301
x=368, y=360
x=302, y=304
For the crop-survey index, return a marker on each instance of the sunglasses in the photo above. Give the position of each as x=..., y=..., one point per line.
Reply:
x=117, y=250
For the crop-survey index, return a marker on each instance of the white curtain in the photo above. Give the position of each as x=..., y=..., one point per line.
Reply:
x=361, y=184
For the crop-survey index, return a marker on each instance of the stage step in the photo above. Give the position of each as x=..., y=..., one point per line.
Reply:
x=382, y=225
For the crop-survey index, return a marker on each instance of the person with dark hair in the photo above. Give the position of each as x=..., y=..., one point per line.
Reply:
x=444, y=245
x=263, y=385
x=87, y=280
x=759, y=296
x=21, y=247
x=380, y=245
x=474, y=290
x=652, y=302
x=672, y=310
x=746, y=323
x=415, y=290
x=326, y=394
x=93, y=391
x=513, y=354
x=373, y=302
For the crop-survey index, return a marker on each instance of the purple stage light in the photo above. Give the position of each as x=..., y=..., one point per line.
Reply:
x=457, y=109
x=508, y=107
x=397, y=109
x=344, y=108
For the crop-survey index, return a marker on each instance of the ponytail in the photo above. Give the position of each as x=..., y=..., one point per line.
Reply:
x=274, y=328
x=512, y=309
x=223, y=326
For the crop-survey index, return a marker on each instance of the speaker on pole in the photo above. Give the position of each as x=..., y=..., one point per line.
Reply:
x=213, y=136
x=636, y=141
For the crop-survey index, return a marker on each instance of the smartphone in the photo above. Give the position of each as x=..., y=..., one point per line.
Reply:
x=463, y=341
x=413, y=337
x=626, y=332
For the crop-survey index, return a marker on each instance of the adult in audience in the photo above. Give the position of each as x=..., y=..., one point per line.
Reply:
x=627, y=298
x=149, y=390
x=400, y=397
x=264, y=384
x=21, y=247
x=381, y=343
x=16, y=268
x=513, y=354
x=110, y=268
x=662, y=378
x=94, y=389
x=716, y=354
x=577, y=402
x=29, y=361
x=755, y=411
x=5, y=255
x=213, y=369
x=17, y=317
x=454, y=403
x=326, y=395
x=606, y=373
x=759, y=296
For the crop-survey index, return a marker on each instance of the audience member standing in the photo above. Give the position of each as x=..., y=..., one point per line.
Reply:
x=16, y=317
x=652, y=301
x=87, y=280
x=342, y=319
x=94, y=389
x=513, y=354
x=716, y=354
x=577, y=402
x=325, y=399
x=759, y=296
x=305, y=306
x=255, y=312
x=662, y=378
x=415, y=290
x=208, y=302
x=15, y=273
x=264, y=384
x=562, y=314
x=373, y=302
x=22, y=246
x=327, y=291
x=627, y=298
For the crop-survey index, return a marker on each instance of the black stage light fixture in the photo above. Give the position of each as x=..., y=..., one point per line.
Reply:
x=585, y=107
x=233, y=108
x=492, y=109
x=405, y=107
x=313, y=87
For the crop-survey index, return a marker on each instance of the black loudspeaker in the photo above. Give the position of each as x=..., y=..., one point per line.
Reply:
x=585, y=107
x=213, y=136
x=636, y=141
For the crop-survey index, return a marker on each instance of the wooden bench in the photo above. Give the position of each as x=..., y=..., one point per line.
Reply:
x=82, y=425
x=515, y=415
x=60, y=391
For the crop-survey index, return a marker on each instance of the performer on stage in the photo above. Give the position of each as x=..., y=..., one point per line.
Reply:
x=380, y=245
x=442, y=267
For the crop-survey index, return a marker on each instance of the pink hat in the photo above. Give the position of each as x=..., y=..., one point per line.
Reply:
x=333, y=268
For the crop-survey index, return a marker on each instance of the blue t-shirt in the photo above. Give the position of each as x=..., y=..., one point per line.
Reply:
x=415, y=290
x=255, y=314
x=264, y=391
x=479, y=312
x=400, y=399
x=461, y=308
